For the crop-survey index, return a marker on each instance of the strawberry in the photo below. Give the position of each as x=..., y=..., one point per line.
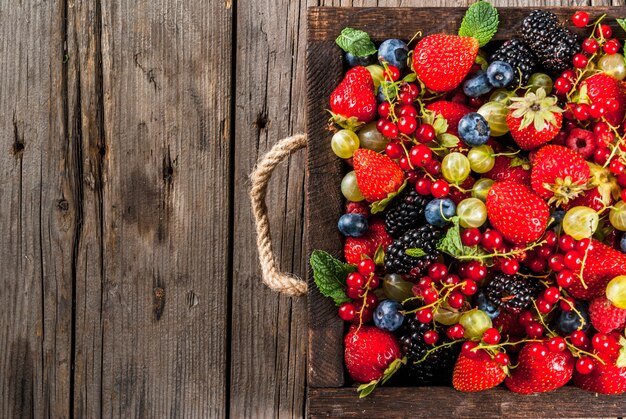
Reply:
x=375, y=236
x=559, y=174
x=540, y=370
x=534, y=119
x=478, y=373
x=441, y=62
x=451, y=111
x=605, y=317
x=368, y=352
x=506, y=168
x=608, y=377
x=601, y=87
x=353, y=102
x=602, y=264
x=377, y=175
x=519, y=214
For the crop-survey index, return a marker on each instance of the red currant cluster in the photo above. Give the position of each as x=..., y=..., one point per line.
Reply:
x=359, y=285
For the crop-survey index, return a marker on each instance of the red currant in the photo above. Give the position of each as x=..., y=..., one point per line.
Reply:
x=604, y=31
x=437, y=271
x=347, y=312
x=392, y=73
x=425, y=133
x=502, y=358
x=394, y=150
x=601, y=155
x=565, y=278
x=580, y=19
x=355, y=280
x=555, y=262
x=590, y=46
x=469, y=287
x=581, y=111
x=537, y=264
x=566, y=304
x=380, y=124
x=425, y=315
x=431, y=337
x=451, y=279
x=526, y=318
x=412, y=89
x=509, y=266
x=405, y=98
x=611, y=47
x=569, y=75
x=580, y=60
x=455, y=332
x=579, y=339
x=621, y=180
x=390, y=130
x=456, y=299
x=600, y=342
x=545, y=251
x=492, y=240
x=562, y=85
x=538, y=350
x=616, y=167
x=434, y=167
x=407, y=124
x=585, y=365
x=354, y=292
x=405, y=164
x=573, y=260
x=430, y=295
x=470, y=237
x=420, y=155
x=440, y=189
x=371, y=300
x=407, y=110
x=612, y=105
x=467, y=349
x=566, y=243
x=534, y=329
x=383, y=109
x=556, y=344
x=423, y=186
x=366, y=267
x=552, y=295
x=425, y=283
x=584, y=245
x=476, y=271
x=543, y=306
x=374, y=282
x=491, y=336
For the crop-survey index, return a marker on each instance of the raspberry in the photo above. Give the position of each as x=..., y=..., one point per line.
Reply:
x=358, y=208
x=605, y=317
x=582, y=141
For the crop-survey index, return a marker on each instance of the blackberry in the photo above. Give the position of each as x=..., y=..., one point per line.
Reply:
x=553, y=44
x=520, y=57
x=425, y=238
x=405, y=213
x=437, y=367
x=512, y=292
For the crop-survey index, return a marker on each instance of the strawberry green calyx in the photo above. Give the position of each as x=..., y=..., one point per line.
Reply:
x=564, y=190
x=480, y=21
x=535, y=109
x=607, y=185
x=365, y=389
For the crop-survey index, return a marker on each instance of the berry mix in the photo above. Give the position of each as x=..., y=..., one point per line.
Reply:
x=486, y=205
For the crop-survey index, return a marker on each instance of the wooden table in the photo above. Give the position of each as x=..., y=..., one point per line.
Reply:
x=129, y=271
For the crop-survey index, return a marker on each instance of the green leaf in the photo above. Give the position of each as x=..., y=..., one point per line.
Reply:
x=621, y=359
x=415, y=252
x=410, y=78
x=380, y=206
x=482, y=61
x=480, y=22
x=448, y=140
x=622, y=23
x=452, y=245
x=356, y=42
x=367, y=388
x=329, y=275
x=379, y=256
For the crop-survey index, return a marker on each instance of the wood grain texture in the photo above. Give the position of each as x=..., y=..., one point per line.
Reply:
x=152, y=282
x=37, y=218
x=442, y=402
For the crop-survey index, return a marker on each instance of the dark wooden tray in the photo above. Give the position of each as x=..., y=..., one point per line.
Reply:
x=327, y=395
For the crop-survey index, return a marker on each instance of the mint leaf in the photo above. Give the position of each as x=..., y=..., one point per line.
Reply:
x=480, y=22
x=452, y=245
x=380, y=206
x=415, y=252
x=356, y=42
x=329, y=275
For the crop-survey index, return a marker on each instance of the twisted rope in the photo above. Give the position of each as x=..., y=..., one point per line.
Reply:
x=272, y=277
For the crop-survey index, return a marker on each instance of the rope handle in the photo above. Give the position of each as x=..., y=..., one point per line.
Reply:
x=276, y=280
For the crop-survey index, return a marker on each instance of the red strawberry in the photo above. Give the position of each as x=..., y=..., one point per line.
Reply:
x=478, y=373
x=377, y=175
x=375, y=236
x=368, y=352
x=353, y=101
x=603, y=263
x=506, y=168
x=451, y=111
x=519, y=214
x=559, y=174
x=540, y=370
x=442, y=61
x=607, y=378
x=605, y=317
x=600, y=88
x=534, y=119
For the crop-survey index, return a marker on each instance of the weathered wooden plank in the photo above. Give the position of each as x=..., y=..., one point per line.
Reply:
x=37, y=216
x=442, y=402
x=151, y=320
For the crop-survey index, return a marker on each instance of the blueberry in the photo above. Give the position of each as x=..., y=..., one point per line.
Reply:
x=568, y=321
x=438, y=210
x=387, y=315
x=500, y=74
x=393, y=52
x=484, y=304
x=558, y=216
x=352, y=225
x=477, y=86
x=354, y=61
x=474, y=129
x=622, y=243
x=388, y=94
